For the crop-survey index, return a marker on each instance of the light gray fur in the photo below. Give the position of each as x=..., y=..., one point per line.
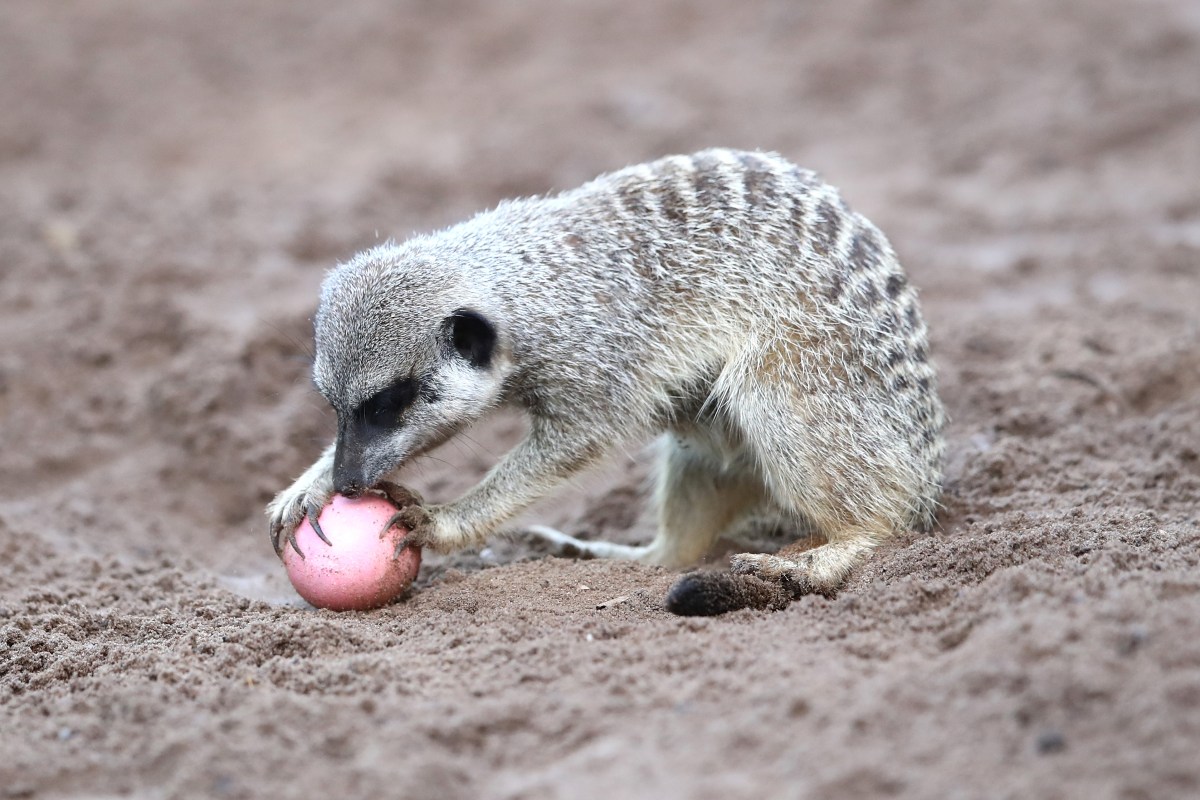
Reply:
x=727, y=298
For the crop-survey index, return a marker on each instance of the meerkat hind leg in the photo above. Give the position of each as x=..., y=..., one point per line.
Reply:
x=698, y=499
x=851, y=497
x=572, y=547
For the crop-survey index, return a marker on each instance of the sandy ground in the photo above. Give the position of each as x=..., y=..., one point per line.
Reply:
x=176, y=176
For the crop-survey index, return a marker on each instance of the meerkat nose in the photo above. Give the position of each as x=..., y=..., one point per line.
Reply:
x=348, y=479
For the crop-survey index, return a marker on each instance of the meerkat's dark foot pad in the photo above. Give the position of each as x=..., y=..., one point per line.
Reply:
x=706, y=594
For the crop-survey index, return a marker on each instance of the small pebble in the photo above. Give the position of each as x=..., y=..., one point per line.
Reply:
x=1049, y=742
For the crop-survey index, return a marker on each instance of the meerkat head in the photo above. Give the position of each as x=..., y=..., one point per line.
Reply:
x=406, y=355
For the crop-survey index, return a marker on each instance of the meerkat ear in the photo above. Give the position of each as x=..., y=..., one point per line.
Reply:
x=472, y=336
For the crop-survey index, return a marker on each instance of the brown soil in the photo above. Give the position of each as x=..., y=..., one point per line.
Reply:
x=176, y=176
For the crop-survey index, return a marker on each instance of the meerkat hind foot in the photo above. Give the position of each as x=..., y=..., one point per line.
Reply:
x=821, y=570
x=568, y=546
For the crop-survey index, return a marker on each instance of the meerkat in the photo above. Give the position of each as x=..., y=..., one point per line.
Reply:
x=727, y=300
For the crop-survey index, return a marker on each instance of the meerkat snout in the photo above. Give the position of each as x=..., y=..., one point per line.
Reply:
x=369, y=434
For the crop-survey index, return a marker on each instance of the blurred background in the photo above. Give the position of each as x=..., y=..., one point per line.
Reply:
x=176, y=176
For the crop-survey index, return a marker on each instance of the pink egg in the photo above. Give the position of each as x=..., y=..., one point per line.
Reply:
x=359, y=570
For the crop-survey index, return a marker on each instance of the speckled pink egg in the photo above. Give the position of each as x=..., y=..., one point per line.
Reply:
x=360, y=569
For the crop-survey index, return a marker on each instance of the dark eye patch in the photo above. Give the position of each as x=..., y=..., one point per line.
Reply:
x=383, y=410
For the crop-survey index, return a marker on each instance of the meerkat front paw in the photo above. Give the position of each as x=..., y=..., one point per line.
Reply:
x=420, y=525
x=304, y=499
x=438, y=528
x=401, y=496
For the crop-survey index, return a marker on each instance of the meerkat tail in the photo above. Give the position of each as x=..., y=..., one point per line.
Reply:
x=707, y=594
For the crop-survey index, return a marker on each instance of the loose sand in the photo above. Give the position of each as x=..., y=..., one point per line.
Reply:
x=174, y=179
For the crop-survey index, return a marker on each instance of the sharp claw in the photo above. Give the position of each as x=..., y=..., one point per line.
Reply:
x=291, y=537
x=387, y=526
x=311, y=514
x=275, y=541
